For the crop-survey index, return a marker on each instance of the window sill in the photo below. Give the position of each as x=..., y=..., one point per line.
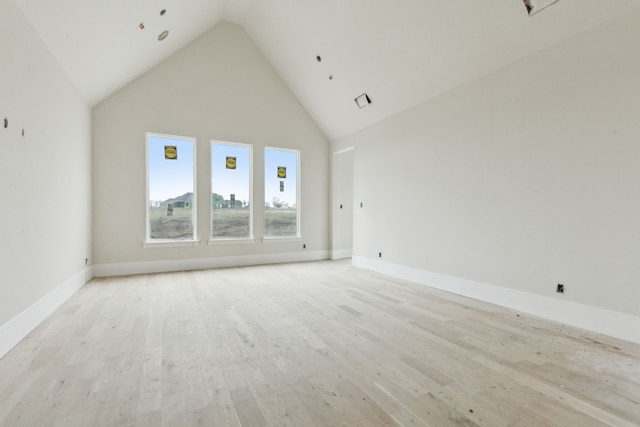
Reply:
x=214, y=242
x=281, y=239
x=169, y=243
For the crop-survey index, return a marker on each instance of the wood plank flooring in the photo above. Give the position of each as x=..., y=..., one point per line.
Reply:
x=308, y=344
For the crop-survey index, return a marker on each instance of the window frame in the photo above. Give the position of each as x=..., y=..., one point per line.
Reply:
x=148, y=241
x=232, y=240
x=298, y=236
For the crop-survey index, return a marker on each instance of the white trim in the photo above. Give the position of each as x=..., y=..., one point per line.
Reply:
x=298, y=183
x=170, y=243
x=214, y=242
x=194, y=204
x=615, y=324
x=88, y=274
x=16, y=329
x=144, y=267
x=276, y=239
x=233, y=144
x=341, y=253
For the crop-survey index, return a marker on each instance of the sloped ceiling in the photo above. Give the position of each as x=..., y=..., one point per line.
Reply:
x=401, y=52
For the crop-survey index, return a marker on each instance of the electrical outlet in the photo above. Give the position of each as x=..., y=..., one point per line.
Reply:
x=560, y=288
x=379, y=254
x=304, y=246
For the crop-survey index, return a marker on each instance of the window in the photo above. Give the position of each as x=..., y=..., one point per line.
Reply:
x=282, y=217
x=171, y=210
x=231, y=166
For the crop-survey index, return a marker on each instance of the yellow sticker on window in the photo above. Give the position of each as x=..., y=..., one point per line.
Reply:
x=282, y=172
x=170, y=152
x=231, y=162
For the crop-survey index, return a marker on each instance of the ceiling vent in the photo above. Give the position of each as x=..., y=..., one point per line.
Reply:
x=535, y=6
x=363, y=100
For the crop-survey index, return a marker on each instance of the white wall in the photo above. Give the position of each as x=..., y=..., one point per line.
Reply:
x=523, y=179
x=342, y=204
x=46, y=180
x=218, y=87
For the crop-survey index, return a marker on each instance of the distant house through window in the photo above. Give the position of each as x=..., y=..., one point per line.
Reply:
x=282, y=214
x=231, y=207
x=171, y=188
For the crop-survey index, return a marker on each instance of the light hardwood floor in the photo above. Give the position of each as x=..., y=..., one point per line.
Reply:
x=308, y=344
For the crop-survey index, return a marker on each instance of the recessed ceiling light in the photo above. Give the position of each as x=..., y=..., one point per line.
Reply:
x=363, y=100
x=163, y=35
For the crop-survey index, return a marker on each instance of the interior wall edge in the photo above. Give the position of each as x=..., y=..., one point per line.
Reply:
x=341, y=253
x=16, y=329
x=615, y=324
x=166, y=266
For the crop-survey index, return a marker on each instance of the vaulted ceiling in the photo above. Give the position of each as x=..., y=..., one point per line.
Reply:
x=401, y=52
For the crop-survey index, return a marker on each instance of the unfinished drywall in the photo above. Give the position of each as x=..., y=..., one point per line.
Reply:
x=217, y=87
x=523, y=179
x=45, y=176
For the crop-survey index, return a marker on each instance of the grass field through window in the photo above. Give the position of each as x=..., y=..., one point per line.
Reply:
x=177, y=226
x=231, y=223
x=280, y=222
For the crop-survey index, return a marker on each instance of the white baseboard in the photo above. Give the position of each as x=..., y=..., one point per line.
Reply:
x=619, y=325
x=89, y=274
x=16, y=329
x=145, y=267
x=341, y=253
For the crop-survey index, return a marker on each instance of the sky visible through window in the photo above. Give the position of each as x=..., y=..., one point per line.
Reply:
x=173, y=178
x=169, y=178
x=231, y=181
x=274, y=158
